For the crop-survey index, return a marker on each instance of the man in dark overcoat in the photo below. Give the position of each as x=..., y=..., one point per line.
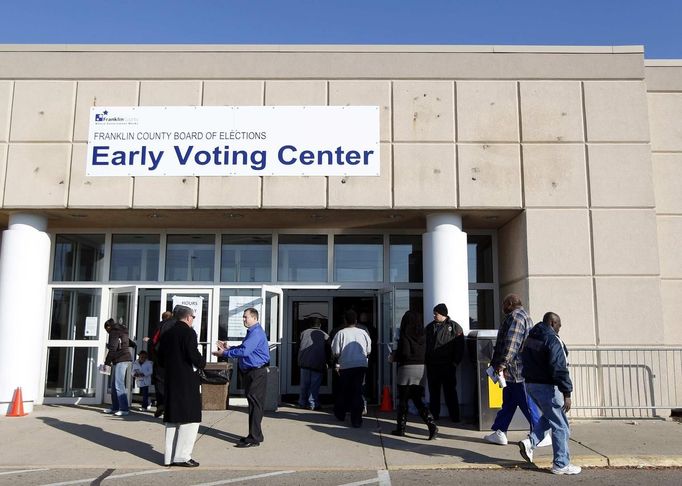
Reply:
x=179, y=355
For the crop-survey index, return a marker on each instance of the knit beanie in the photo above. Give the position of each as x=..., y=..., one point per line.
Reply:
x=441, y=309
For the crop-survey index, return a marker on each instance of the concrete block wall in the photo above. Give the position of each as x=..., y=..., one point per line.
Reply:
x=565, y=138
x=664, y=96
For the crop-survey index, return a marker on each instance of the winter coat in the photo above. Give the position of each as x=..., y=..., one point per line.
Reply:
x=179, y=355
x=544, y=359
x=312, y=353
x=118, y=345
x=410, y=350
x=444, y=343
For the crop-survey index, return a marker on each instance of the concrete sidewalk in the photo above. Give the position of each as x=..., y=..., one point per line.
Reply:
x=82, y=436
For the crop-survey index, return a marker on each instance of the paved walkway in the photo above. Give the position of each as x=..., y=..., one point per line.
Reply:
x=82, y=436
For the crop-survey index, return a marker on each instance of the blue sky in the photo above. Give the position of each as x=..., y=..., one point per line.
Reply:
x=656, y=24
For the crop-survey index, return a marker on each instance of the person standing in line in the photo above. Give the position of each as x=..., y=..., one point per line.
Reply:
x=352, y=346
x=312, y=360
x=158, y=375
x=119, y=358
x=142, y=372
x=180, y=357
x=507, y=359
x=254, y=359
x=409, y=357
x=444, y=351
x=545, y=369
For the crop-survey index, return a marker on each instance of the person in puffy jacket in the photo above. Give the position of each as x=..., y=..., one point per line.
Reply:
x=119, y=358
x=549, y=385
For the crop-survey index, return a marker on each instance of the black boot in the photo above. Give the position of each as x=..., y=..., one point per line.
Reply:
x=401, y=423
x=426, y=416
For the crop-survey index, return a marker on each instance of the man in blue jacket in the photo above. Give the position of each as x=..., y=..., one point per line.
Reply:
x=548, y=384
x=254, y=359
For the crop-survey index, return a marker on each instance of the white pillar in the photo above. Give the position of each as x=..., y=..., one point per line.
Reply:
x=446, y=276
x=24, y=270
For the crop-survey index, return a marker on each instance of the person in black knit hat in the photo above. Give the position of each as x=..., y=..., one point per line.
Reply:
x=444, y=351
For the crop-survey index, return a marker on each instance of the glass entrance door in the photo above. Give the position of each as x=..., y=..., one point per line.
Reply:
x=303, y=312
x=123, y=310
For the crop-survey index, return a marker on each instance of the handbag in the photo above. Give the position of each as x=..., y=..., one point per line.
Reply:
x=213, y=377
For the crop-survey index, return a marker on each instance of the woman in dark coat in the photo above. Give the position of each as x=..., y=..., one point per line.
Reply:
x=179, y=355
x=409, y=357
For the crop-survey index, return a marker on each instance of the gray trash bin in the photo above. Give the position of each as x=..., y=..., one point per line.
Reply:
x=481, y=344
x=272, y=390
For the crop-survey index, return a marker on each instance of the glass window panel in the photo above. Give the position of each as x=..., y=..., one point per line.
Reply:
x=70, y=308
x=78, y=258
x=233, y=302
x=134, y=257
x=405, y=258
x=190, y=258
x=481, y=309
x=480, y=256
x=358, y=258
x=302, y=258
x=71, y=372
x=246, y=258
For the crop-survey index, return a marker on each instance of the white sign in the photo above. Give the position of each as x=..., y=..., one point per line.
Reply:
x=90, y=326
x=194, y=303
x=237, y=306
x=233, y=141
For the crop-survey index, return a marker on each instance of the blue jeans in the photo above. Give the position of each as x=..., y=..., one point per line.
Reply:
x=514, y=395
x=550, y=400
x=145, y=396
x=310, y=388
x=119, y=393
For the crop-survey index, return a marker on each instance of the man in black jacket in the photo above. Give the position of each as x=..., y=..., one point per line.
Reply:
x=548, y=384
x=119, y=358
x=444, y=351
x=179, y=355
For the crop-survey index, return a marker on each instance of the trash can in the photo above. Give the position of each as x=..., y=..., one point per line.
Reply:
x=272, y=391
x=480, y=344
x=214, y=396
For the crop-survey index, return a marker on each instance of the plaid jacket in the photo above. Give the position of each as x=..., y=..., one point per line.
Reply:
x=510, y=338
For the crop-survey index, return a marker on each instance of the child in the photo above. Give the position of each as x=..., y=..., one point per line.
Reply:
x=142, y=372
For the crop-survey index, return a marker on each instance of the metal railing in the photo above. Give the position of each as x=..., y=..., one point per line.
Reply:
x=621, y=382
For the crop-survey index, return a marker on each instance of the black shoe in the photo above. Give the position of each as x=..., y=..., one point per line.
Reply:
x=244, y=445
x=190, y=463
x=243, y=439
x=158, y=412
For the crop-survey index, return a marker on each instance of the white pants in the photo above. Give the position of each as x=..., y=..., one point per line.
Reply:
x=179, y=442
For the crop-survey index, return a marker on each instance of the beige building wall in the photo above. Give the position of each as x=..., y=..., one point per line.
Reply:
x=573, y=150
x=664, y=95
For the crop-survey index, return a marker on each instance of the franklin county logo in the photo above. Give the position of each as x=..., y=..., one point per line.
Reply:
x=100, y=116
x=104, y=117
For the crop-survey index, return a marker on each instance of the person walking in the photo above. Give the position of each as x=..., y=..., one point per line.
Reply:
x=409, y=356
x=180, y=357
x=507, y=359
x=312, y=360
x=548, y=382
x=142, y=372
x=254, y=359
x=351, y=346
x=119, y=358
x=444, y=351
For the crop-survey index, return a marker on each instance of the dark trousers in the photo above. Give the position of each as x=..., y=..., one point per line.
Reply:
x=349, y=397
x=444, y=376
x=159, y=379
x=255, y=386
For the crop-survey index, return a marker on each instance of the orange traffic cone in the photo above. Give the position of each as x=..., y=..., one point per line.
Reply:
x=386, y=400
x=17, y=408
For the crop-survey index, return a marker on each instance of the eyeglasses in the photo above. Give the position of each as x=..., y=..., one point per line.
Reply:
x=194, y=317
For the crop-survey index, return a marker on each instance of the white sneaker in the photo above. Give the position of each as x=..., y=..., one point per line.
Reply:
x=497, y=437
x=569, y=469
x=526, y=450
x=546, y=441
x=121, y=413
x=107, y=410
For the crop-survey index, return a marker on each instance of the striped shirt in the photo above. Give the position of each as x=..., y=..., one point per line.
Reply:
x=510, y=338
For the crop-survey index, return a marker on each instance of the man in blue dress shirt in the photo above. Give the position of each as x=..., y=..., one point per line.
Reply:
x=254, y=359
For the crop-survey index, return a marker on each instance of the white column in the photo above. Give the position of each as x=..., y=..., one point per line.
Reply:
x=24, y=270
x=446, y=276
